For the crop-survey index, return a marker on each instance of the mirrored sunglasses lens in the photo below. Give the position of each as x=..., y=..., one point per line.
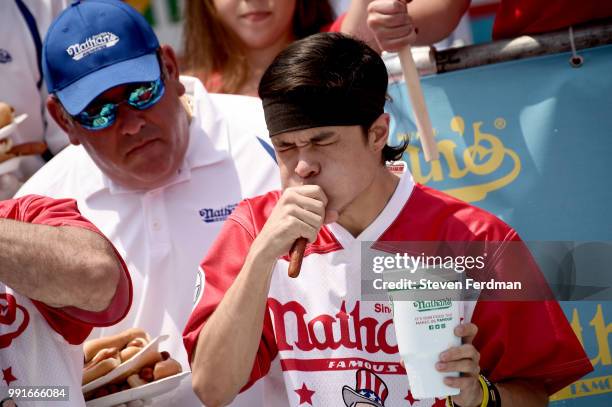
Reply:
x=97, y=121
x=145, y=96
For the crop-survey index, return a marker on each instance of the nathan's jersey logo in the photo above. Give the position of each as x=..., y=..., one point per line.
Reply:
x=5, y=57
x=210, y=215
x=14, y=319
x=349, y=330
x=92, y=44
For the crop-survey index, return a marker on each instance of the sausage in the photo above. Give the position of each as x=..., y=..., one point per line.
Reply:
x=90, y=348
x=146, y=374
x=148, y=359
x=166, y=368
x=31, y=148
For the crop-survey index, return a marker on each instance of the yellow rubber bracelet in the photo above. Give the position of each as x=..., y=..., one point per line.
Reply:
x=485, y=391
x=485, y=394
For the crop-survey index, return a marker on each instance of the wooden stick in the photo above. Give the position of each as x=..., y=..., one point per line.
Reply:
x=423, y=124
x=296, y=255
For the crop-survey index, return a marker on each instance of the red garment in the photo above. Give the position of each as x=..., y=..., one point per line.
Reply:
x=311, y=340
x=72, y=323
x=519, y=17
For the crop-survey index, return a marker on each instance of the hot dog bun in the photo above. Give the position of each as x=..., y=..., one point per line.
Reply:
x=166, y=368
x=128, y=353
x=6, y=114
x=134, y=381
x=90, y=348
x=99, y=369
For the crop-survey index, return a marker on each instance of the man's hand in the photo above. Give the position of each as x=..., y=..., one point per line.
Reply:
x=300, y=212
x=391, y=24
x=464, y=359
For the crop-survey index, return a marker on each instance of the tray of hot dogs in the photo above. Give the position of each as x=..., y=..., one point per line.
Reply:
x=128, y=366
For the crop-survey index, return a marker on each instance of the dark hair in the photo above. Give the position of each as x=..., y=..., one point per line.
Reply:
x=336, y=73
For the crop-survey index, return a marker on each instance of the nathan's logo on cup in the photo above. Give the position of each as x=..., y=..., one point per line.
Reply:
x=92, y=44
x=431, y=305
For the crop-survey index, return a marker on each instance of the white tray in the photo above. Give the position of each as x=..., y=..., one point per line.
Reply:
x=125, y=366
x=146, y=392
x=9, y=129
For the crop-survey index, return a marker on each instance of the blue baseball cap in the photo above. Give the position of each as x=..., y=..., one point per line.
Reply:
x=95, y=45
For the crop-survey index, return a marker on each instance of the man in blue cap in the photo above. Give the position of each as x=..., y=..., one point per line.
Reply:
x=156, y=162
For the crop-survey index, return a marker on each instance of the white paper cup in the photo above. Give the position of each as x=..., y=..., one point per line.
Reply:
x=424, y=323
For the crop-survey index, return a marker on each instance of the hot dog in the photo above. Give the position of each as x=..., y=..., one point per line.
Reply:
x=31, y=148
x=166, y=368
x=129, y=352
x=134, y=381
x=90, y=348
x=149, y=359
x=99, y=369
x=6, y=114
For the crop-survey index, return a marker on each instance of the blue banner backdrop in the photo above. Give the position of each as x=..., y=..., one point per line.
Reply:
x=530, y=141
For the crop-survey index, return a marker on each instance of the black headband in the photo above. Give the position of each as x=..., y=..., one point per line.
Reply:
x=301, y=109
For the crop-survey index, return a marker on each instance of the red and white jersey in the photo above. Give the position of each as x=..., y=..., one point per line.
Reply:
x=41, y=345
x=322, y=345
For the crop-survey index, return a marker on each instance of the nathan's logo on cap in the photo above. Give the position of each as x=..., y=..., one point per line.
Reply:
x=92, y=44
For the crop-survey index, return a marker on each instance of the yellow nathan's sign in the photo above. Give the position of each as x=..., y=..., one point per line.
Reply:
x=485, y=156
x=601, y=330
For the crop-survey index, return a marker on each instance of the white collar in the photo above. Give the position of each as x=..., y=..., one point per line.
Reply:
x=382, y=222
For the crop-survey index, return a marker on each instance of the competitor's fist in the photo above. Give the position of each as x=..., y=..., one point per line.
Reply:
x=391, y=24
x=300, y=212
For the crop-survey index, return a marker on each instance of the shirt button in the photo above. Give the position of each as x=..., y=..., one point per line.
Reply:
x=156, y=225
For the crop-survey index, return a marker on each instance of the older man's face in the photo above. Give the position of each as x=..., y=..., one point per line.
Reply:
x=142, y=148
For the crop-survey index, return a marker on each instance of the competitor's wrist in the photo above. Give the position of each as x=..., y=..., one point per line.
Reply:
x=489, y=394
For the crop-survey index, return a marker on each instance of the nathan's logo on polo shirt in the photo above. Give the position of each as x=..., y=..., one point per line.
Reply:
x=210, y=215
x=92, y=44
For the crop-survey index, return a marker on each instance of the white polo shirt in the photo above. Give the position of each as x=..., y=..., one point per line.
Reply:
x=164, y=233
x=20, y=74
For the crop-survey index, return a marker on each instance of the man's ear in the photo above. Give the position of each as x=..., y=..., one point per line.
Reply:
x=171, y=67
x=61, y=117
x=378, y=134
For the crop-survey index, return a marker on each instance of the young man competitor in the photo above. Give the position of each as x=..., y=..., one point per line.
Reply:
x=311, y=338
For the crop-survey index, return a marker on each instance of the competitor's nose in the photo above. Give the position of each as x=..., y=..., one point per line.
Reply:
x=306, y=167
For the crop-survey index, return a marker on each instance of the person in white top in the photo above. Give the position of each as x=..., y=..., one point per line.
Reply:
x=23, y=23
x=156, y=162
x=59, y=278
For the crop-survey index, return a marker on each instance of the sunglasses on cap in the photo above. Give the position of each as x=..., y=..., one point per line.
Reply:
x=100, y=115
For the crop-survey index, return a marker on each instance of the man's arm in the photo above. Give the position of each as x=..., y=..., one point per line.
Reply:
x=465, y=359
x=393, y=22
x=59, y=266
x=227, y=345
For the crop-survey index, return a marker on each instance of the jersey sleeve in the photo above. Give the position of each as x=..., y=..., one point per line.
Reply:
x=527, y=337
x=220, y=266
x=72, y=323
